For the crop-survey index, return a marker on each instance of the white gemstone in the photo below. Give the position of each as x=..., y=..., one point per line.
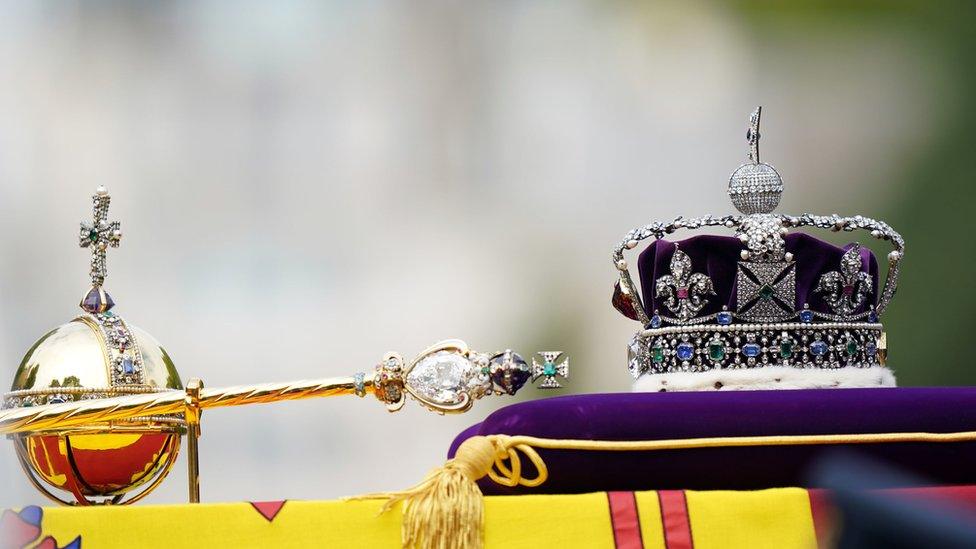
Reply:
x=440, y=377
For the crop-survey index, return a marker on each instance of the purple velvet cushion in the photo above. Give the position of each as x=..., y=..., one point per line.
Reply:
x=718, y=257
x=655, y=416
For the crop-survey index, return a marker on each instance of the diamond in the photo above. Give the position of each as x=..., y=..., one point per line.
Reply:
x=685, y=351
x=751, y=350
x=440, y=377
x=818, y=348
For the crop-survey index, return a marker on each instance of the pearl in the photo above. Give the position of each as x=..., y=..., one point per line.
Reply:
x=744, y=254
x=101, y=191
x=622, y=265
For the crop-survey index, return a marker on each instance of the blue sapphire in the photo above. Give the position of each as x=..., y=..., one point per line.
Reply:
x=686, y=351
x=806, y=316
x=871, y=349
x=872, y=316
x=751, y=349
x=724, y=318
x=127, y=366
x=655, y=322
x=818, y=348
x=57, y=399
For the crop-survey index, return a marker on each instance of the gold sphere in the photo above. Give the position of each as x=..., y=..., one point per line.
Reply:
x=98, y=463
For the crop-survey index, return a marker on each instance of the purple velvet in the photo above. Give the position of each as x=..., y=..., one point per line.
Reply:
x=718, y=256
x=656, y=416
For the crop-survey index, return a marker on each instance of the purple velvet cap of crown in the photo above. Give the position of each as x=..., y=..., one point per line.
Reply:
x=718, y=257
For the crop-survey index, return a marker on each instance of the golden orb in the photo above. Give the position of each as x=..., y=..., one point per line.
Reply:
x=99, y=463
x=96, y=355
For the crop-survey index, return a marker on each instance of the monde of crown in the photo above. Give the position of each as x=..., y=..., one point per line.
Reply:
x=767, y=307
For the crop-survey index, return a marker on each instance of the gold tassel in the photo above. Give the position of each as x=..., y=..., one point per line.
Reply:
x=446, y=510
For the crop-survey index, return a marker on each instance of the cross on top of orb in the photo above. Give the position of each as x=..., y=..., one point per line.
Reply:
x=99, y=235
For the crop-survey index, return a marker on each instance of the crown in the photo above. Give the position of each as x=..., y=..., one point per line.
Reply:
x=766, y=308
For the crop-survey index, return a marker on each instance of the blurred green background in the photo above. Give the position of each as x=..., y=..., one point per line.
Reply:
x=932, y=321
x=306, y=185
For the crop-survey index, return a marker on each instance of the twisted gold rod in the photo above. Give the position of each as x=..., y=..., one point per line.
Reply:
x=104, y=410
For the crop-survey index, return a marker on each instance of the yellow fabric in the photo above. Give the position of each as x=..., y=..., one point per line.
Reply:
x=774, y=519
x=566, y=522
x=652, y=529
x=777, y=518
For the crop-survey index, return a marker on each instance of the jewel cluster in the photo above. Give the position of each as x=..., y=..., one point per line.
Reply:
x=40, y=397
x=125, y=358
x=708, y=347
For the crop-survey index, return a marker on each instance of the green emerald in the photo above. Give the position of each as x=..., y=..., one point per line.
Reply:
x=716, y=350
x=766, y=292
x=851, y=347
x=93, y=235
x=786, y=349
x=657, y=354
x=549, y=369
x=484, y=370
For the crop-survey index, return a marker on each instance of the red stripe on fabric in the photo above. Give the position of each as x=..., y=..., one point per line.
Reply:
x=625, y=520
x=964, y=496
x=674, y=516
x=823, y=515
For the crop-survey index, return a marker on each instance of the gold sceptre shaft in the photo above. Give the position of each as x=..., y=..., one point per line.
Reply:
x=169, y=402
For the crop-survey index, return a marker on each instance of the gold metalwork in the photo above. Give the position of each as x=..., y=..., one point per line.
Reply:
x=883, y=348
x=192, y=415
x=109, y=410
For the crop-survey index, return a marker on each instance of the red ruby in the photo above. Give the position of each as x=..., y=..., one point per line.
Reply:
x=623, y=302
x=848, y=290
x=682, y=293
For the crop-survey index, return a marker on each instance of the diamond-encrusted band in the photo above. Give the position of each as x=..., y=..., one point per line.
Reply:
x=703, y=347
x=122, y=350
x=60, y=395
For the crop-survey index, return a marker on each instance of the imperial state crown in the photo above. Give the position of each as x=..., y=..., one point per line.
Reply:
x=766, y=308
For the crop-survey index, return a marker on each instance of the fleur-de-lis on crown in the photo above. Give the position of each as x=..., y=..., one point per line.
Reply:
x=846, y=290
x=684, y=292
